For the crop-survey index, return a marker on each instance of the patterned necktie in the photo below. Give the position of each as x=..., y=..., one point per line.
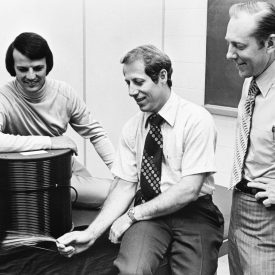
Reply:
x=150, y=175
x=242, y=136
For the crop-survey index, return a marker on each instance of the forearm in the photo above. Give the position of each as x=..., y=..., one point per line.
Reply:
x=17, y=143
x=84, y=124
x=115, y=205
x=105, y=150
x=172, y=200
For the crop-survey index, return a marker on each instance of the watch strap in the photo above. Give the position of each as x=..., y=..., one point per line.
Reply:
x=131, y=214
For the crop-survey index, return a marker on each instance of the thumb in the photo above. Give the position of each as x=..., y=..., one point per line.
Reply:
x=66, y=239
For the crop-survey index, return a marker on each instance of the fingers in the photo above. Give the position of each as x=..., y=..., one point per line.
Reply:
x=114, y=237
x=119, y=227
x=263, y=197
x=74, y=242
x=256, y=184
x=267, y=193
x=67, y=251
x=74, y=149
x=267, y=203
x=260, y=195
x=64, y=245
x=66, y=239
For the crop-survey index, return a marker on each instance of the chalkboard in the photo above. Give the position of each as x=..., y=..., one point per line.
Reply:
x=222, y=82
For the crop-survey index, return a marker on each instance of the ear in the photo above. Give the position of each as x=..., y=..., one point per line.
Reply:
x=271, y=42
x=163, y=76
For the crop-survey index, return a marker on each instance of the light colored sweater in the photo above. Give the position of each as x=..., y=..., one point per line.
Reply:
x=27, y=121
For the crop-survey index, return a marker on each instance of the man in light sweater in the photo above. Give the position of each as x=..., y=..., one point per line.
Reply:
x=35, y=112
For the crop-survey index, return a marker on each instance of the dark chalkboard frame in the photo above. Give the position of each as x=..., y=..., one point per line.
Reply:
x=222, y=82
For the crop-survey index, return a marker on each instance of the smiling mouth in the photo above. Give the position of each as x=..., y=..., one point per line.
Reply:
x=31, y=84
x=240, y=64
x=138, y=100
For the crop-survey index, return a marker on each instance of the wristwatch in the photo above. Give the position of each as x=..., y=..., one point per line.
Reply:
x=131, y=214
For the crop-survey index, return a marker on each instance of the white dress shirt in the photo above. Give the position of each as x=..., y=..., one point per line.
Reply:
x=189, y=140
x=260, y=160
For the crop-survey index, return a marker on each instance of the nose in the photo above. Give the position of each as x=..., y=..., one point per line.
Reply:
x=31, y=74
x=231, y=54
x=133, y=91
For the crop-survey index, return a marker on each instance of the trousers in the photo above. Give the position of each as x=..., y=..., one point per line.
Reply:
x=190, y=238
x=91, y=191
x=251, y=238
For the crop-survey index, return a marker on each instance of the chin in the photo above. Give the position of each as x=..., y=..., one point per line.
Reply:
x=244, y=74
x=147, y=108
x=32, y=90
x=143, y=109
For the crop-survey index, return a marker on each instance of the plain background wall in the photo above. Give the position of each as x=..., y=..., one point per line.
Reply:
x=89, y=37
x=113, y=28
x=185, y=42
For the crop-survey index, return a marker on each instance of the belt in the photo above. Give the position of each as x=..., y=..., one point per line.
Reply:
x=242, y=186
x=206, y=197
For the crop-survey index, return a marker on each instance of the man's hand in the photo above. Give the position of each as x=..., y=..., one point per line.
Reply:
x=118, y=228
x=63, y=142
x=268, y=193
x=74, y=243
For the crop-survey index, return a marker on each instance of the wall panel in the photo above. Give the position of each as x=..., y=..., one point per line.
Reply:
x=113, y=28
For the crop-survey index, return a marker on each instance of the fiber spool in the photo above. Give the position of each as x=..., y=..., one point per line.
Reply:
x=35, y=195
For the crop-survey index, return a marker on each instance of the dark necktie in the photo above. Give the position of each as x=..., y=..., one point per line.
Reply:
x=242, y=137
x=150, y=174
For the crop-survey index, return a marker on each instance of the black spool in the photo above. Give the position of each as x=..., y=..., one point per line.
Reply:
x=35, y=195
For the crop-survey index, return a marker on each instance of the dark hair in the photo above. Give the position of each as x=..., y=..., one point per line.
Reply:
x=32, y=46
x=154, y=61
x=265, y=16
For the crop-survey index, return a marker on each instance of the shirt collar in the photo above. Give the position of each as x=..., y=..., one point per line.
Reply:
x=266, y=80
x=168, y=111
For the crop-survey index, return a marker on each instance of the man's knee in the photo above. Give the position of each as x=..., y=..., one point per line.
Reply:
x=143, y=247
x=132, y=267
x=89, y=192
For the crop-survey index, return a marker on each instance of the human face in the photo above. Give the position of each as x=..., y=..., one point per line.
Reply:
x=30, y=74
x=149, y=96
x=250, y=58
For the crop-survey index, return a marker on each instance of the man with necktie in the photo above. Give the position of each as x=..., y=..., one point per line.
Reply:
x=251, y=37
x=160, y=203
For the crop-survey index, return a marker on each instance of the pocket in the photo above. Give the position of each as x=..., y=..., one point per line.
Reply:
x=215, y=214
x=219, y=215
x=263, y=145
